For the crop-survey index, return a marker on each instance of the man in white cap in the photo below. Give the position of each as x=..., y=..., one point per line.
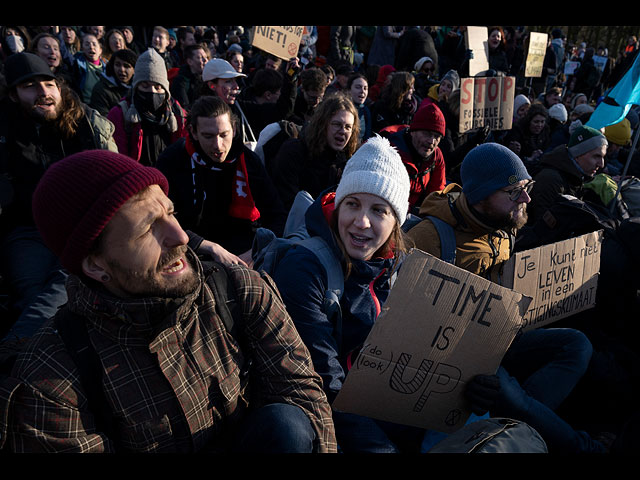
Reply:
x=220, y=79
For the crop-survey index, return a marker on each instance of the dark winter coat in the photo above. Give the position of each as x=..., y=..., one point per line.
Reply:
x=213, y=222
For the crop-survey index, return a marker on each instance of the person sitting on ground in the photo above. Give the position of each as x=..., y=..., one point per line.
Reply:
x=149, y=119
x=565, y=169
x=542, y=366
x=314, y=161
x=172, y=376
x=218, y=184
x=115, y=83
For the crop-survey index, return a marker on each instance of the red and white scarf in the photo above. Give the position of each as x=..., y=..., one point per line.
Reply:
x=242, y=204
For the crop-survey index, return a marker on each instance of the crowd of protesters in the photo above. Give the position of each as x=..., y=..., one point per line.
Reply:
x=238, y=132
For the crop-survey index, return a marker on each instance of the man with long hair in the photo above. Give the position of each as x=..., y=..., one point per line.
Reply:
x=314, y=161
x=43, y=121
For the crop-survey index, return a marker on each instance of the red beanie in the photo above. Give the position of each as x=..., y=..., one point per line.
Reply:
x=78, y=195
x=429, y=117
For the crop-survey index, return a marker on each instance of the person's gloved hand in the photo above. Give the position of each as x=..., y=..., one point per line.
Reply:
x=482, y=391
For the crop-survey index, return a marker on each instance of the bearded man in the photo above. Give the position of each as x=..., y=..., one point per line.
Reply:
x=41, y=121
x=172, y=373
x=485, y=213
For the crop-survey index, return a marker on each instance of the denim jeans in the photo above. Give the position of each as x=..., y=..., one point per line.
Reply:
x=537, y=373
x=549, y=362
x=275, y=428
x=36, y=278
x=359, y=434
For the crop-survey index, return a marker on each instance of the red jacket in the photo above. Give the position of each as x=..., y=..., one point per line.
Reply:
x=426, y=176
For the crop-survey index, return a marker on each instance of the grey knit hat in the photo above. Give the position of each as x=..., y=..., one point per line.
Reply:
x=454, y=78
x=584, y=139
x=376, y=168
x=488, y=168
x=150, y=67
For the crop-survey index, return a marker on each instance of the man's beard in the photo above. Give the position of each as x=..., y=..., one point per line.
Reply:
x=46, y=116
x=512, y=220
x=150, y=283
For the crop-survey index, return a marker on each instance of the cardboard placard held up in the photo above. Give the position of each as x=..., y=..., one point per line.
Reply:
x=561, y=278
x=439, y=327
x=283, y=42
x=536, y=54
x=486, y=101
x=476, y=39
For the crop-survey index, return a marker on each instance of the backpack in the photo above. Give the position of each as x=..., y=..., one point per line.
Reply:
x=567, y=218
x=445, y=232
x=268, y=250
x=630, y=193
x=493, y=435
x=73, y=331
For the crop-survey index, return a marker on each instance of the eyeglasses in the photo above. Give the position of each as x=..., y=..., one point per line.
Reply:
x=514, y=193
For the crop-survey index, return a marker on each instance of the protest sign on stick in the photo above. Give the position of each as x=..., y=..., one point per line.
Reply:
x=535, y=55
x=486, y=101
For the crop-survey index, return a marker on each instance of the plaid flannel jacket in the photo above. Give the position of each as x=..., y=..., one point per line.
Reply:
x=171, y=373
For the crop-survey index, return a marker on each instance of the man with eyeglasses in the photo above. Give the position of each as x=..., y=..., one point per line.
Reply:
x=542, y=366
x=485, y=212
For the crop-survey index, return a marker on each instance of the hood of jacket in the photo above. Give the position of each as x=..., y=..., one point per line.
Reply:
x=559, y=159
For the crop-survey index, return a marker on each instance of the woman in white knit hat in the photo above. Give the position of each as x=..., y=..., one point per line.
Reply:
x=360, y=222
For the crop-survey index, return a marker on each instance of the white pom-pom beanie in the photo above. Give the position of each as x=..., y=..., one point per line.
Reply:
x=376, y=168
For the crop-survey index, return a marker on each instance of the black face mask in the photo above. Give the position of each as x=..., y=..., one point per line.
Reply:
x=148, y=102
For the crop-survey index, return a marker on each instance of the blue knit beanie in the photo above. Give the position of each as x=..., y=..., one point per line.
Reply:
x=490, y=167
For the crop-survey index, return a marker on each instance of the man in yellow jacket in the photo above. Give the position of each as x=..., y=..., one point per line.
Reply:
x=541, y=367
x=485, y=212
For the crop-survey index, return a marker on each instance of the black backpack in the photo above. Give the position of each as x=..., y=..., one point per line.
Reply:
x=73, y=331
x=567, y=218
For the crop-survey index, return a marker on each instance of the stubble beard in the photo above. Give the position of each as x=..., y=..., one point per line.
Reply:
x=150, y=283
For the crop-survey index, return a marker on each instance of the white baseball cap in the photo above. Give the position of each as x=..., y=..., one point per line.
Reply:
x=219, y=68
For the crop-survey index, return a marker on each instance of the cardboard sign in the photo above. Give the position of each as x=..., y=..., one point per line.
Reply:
x=476, y=39
x=439, y=327
x=486, y=101
x=536, y=54
x=283, y=42
x=561, y=278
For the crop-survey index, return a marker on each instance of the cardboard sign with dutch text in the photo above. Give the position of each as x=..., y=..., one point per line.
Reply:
x=561, y=278
x=486, y=101
x=536, y=54
x=439, y=327
x=283, y=42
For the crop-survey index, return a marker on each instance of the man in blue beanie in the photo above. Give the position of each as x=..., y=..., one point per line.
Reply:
x=484, y=214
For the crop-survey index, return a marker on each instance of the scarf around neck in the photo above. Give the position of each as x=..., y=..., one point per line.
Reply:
x=242, y=203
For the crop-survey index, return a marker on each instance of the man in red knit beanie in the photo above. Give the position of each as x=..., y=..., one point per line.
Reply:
x=419, y=150
x=172, y=371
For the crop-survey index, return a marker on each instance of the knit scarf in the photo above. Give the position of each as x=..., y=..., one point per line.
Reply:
x=242, y=204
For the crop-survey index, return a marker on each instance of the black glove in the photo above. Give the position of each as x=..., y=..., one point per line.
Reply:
x=482, y=391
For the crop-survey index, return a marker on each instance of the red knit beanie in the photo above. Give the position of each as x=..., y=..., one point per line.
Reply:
x=429, y=117
x=78, y=195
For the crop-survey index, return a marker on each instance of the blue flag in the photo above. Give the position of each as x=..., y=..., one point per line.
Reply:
x=617, y=103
